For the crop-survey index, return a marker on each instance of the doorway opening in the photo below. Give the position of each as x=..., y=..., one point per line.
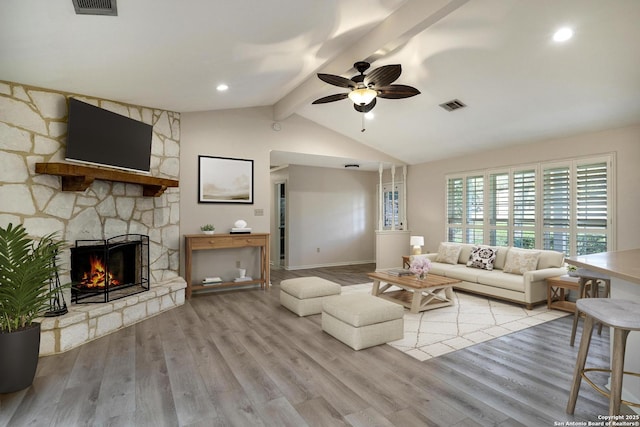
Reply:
x=281, y=218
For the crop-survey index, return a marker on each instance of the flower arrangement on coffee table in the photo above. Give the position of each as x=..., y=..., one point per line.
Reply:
x=420, y=267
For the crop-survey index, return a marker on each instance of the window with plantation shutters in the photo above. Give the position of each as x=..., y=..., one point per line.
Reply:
x=524, y=208
x=474, y=208
x=556, y=208
x=498, y=208
x=564, y=206
x=591, y=196
x=454, y=209
x=474, y=205
x=592, y=208
x=556, y=197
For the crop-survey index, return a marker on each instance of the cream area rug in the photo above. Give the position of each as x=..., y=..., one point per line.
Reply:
x=473, y=319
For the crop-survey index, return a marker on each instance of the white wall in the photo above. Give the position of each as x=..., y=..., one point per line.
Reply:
x=426, y=182
x=331, y=216
x=247, y=134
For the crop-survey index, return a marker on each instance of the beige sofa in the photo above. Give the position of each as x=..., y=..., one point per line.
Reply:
x=525, y=284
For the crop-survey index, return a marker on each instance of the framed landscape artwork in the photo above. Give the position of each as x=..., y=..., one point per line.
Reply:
x=225, y=180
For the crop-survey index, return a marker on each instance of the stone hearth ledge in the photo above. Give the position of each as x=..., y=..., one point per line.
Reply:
x=86, y=322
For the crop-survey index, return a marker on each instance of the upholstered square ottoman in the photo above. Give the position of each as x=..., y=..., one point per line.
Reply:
x=362, y=320
x=304, y=295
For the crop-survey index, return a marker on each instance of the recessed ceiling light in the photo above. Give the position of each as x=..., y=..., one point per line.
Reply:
x=563, y=34
x=369, y=115
x=222, y=87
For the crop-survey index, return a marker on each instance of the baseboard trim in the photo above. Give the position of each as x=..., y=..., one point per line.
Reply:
x=334, y=264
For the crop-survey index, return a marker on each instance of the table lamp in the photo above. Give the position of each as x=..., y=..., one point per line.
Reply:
x=416, y=243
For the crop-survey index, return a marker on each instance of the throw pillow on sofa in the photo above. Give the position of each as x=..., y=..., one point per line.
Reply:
x=519, y=261
x=482, y=257
x=448, y=253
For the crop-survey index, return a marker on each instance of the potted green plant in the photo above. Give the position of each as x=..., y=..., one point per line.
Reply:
x=26, y=266
x=208, y=229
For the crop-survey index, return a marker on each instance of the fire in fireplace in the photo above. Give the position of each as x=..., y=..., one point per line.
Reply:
x=105, y=270
x=98, y=276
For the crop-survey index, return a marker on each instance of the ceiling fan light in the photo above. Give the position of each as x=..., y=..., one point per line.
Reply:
x=362, y=96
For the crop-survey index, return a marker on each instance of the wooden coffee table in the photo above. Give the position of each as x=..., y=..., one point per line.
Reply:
x=417, y=295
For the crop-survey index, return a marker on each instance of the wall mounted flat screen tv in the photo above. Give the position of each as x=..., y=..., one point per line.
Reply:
x=100, y=137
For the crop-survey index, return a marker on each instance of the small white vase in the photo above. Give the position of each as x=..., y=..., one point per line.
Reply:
x=208, y=231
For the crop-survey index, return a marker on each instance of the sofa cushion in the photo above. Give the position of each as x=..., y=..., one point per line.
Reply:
x=501, y=257
x=448, y=253
x=465, y=252
x=462, y=272
x=550, y=259
x=482, y=257
x=499, y=279
x=520, y=261
x=440, y=268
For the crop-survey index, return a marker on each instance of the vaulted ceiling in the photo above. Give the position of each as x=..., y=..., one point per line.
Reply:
x=496, y=56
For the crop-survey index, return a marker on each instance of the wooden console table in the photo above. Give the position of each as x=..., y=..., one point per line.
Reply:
x=197, y=242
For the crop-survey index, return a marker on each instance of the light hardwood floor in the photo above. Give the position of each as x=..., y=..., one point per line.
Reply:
x=239, y=359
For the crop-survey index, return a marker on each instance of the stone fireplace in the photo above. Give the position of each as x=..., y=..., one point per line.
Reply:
x=33, y=129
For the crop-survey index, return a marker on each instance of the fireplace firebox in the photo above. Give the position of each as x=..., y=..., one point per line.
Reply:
x=106, y=270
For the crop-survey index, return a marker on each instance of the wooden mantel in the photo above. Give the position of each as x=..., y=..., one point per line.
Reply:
x=79, y=178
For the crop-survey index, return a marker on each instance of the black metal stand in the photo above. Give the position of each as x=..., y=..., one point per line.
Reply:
x=57, y=304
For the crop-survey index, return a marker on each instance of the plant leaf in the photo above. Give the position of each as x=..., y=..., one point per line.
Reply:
x=26, y=266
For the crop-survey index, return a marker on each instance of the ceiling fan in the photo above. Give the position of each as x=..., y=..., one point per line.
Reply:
x=366, y=88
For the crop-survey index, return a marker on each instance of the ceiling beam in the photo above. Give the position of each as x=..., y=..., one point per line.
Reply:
x=410, y=19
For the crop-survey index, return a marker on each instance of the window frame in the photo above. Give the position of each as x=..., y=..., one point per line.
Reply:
x=393, y=206
x=491, y=227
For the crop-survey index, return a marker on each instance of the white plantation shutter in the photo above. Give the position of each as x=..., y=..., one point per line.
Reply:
x=499, y=199
x=475, y=209
x=556, y=197
x=591, y=196
x=591, y=208
x=556, y=209
x=498, y=208
x=524, y=198
x=455, y=209
x=524, y=208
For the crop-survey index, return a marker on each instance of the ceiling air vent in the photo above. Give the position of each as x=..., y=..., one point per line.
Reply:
x=95, y=7
x=454, y=104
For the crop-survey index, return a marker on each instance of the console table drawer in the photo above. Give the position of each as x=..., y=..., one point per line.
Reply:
x=248, y=241
x=216, y=242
